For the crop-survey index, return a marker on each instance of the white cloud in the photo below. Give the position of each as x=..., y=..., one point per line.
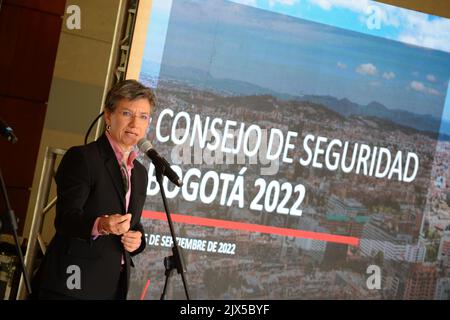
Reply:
x=358, y=6
x=282, y=2
x=324, y=4
x=341, y=65
x=367, y=69
x=419, y=30
x=420, y=87
x=366, y=9
x=414, y=27
x=246, y=2
x=389, y=75
x=431, y=78
x=433, y=91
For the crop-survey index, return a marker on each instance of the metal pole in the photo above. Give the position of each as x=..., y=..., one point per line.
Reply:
x=112, y=61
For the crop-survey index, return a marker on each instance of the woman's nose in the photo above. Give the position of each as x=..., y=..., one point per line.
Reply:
x=132, y=122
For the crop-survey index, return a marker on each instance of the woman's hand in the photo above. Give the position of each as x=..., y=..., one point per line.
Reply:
x=116, y=224
x=131, y=240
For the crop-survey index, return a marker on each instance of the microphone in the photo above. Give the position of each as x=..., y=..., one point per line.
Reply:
x=7, y=132
x=146, y=147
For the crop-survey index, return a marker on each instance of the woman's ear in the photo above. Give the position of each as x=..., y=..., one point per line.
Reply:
x=107, y=117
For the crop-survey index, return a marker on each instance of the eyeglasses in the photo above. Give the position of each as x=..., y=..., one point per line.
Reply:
x=128, y=115
x=125, y=177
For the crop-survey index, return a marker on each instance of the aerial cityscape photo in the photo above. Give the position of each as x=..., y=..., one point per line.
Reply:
x=253, y=66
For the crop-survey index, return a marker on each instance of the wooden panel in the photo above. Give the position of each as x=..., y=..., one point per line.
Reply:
x=50, y=6
x=82, y=59
x=18, y=160
x=29, y=41
x=72, y=106
x=98, y=19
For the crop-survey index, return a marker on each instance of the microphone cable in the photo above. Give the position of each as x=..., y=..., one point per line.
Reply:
x=91, y=126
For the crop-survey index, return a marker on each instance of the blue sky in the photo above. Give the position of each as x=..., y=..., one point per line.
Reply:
x=300, y=57
x=359, y=15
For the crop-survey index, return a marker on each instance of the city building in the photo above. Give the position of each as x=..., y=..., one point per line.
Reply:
x=421, y=282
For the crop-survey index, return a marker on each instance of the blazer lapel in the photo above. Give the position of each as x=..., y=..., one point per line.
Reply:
x=116, y=176
x=113, y=168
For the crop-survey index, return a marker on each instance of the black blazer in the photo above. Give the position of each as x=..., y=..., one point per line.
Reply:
x=89, y=184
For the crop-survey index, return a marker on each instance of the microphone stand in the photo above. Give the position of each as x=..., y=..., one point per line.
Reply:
x=175, y=261
x=14, y=228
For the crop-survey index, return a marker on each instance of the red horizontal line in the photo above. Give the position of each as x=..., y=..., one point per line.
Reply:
x=232, y=225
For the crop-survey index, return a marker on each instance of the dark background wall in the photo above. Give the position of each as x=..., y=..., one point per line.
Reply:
x=29, y=36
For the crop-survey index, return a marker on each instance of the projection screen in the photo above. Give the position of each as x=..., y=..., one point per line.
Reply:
x=312, y=138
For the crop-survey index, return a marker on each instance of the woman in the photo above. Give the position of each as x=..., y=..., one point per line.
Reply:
x=101, y=191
